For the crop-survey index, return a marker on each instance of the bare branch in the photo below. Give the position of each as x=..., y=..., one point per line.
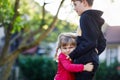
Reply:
x=29, y=35
x=43, y=11
x=45, y=33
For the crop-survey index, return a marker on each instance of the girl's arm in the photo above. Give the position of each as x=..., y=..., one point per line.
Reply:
x=69, y=66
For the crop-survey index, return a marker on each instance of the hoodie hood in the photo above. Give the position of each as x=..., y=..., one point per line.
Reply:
x=96, y=14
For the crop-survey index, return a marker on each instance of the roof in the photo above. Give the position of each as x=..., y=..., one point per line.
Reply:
x=30, y=51
x=112, y=34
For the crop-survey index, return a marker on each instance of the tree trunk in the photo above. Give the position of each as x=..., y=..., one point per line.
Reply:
x=7, y=61
x=6, y=67
x=5, y=71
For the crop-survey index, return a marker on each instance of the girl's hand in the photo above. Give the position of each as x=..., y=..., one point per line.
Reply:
x=68, y=58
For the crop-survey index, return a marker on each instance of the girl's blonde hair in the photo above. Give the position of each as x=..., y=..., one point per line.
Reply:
x=65, y=39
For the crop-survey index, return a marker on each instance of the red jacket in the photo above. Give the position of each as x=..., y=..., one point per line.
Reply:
x=66, y=68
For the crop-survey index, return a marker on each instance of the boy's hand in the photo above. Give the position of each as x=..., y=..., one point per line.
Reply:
x=88, y=67
x=96, y=50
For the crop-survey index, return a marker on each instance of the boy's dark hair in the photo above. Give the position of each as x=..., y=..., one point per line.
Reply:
x=90, y=2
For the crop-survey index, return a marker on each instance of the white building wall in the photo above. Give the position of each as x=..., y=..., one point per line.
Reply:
x=53, y=46
x=102, y=56
x=1, y=32
x=119, y=53
x=1, y=35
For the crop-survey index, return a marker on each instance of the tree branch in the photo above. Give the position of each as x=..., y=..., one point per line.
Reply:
x=45, y=33
x=8, y=31
x=17, y=36
x=35, y=43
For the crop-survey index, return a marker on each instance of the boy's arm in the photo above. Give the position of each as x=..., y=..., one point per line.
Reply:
x=102, y=43
x=88, y=39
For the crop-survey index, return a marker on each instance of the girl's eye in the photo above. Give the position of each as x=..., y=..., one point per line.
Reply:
x=74, y=4
x=71, y=47
x=64, y=48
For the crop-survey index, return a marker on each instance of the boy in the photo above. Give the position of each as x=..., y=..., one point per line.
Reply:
x=91, y=42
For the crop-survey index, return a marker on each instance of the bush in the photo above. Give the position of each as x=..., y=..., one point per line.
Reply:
x=107, y=72
x=44, y=68
x=37, y=68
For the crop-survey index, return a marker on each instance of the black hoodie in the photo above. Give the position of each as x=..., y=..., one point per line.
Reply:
x=92, y=36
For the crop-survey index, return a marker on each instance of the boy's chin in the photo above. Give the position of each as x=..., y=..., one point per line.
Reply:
x=78, y=14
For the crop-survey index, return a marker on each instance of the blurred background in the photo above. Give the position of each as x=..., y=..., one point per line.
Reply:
x=29, y=31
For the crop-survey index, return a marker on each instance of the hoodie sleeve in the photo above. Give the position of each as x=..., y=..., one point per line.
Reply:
x=69, y=66
x=101, y=44
x=88, y=38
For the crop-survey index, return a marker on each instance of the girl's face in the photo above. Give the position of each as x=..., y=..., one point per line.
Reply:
x=67, y=49
x=78, y=7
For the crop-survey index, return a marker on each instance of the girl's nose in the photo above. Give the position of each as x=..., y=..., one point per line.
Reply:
x=68, y=49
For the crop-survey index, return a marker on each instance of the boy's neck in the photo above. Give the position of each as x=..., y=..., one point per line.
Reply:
x=88, y=8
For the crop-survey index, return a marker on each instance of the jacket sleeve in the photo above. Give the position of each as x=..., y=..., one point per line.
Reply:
x=101, y=44
x=88, y=38
x=71, y=67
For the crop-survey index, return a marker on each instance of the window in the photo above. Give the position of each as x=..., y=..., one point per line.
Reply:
x=111, y=55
